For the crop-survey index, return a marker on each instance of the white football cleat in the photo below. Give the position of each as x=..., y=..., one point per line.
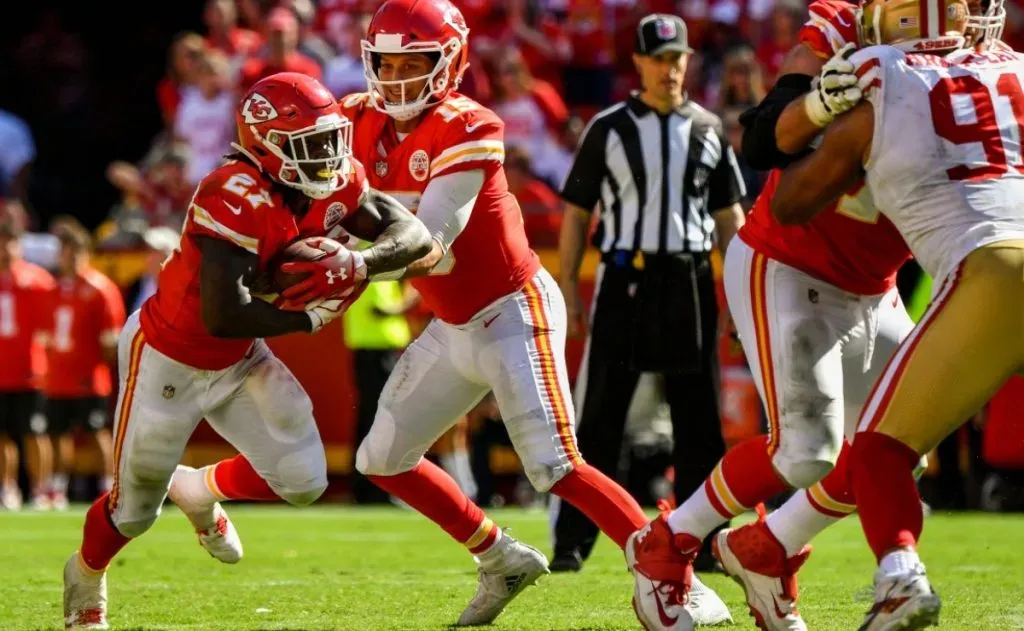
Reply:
x=516, y=567
x=216, y=533
x=904, y=601
x=755, y=559
x=10, y=498
x=668, y=596
x=85, y=596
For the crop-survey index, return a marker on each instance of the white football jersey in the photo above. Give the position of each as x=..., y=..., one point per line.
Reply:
x=946, y=163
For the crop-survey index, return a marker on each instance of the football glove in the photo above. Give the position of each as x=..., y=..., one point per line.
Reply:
x=333, y=276
x=835, y=90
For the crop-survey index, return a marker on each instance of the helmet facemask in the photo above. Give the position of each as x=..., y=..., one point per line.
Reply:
x=314, y=159
x=986, y=23
x=437, y=82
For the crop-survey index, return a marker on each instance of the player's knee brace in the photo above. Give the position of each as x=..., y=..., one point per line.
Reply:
x=135, y=528
x=302, y=476
x=386, y=451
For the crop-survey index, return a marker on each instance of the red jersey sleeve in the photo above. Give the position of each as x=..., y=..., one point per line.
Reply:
x=472, y=138
x=228, y=204
x=832, y=24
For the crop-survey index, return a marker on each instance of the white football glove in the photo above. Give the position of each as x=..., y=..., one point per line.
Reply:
x=323, y=312
x=835, y=90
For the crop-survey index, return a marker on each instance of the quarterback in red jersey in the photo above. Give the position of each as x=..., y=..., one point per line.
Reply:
x=23, y=291
x=83, y=320
x=501, y=320
x=818, y=314
x=195, y=351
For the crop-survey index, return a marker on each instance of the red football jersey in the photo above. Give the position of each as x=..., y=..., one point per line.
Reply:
x=24, y=289
x=239, y=204
x=85, y=314
x=850, y=244
x=491, y=258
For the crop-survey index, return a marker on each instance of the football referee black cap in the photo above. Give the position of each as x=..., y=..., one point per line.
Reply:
x=661, y=33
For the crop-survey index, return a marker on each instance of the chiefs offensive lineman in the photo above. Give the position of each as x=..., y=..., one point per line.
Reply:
x=819, y=315
x=500, y=320
x=194, y=350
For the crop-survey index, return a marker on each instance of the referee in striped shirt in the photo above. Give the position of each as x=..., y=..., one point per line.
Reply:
x=659, y=170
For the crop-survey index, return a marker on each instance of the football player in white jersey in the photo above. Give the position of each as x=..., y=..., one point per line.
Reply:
x=938, y=138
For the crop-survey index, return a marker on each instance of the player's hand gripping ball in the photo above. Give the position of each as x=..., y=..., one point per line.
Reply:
x=318, y=268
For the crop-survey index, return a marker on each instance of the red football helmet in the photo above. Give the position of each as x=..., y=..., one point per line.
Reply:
x=290, y=125
x=434, y=27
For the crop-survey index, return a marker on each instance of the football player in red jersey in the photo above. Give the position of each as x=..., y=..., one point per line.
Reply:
x=819, y=315
x=84, y=318
x=194, y=350
x=500, y=319
x=23, y=291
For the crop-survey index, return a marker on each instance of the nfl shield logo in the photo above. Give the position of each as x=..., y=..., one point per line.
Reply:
x=381, y=168
x=168, y=391
x=665, y=29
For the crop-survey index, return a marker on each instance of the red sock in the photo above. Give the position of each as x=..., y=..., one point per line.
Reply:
x=882, y=471
x=606, y=503
x=237, y=480
x=833, y=495
x=744, y=478
x=101, y=541
x=435, y=495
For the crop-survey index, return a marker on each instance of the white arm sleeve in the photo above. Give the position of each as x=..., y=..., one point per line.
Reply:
x=446, y=204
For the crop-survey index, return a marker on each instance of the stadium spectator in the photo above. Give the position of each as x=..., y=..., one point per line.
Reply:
x=344, y=74
x=786, y=19
x=205, y=121
x=224, y=34
x=589, y=77
x=183, y=60
x=17, y=153
x=310, y=42
x=540, y=205
x=526, y=26
x=534, y=115
x=155, y=193
x=742, y=81
x=83, y=317
x=282, y=54
x=23, y=291
x=753, y=180
x=160, y=243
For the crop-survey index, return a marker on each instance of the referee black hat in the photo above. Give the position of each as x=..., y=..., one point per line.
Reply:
x=660, y=33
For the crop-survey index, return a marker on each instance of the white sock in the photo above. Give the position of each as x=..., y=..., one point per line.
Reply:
x=456, y=464
x=59, y=483
x=899, y=562
x=493, y=558
x=107, y=483
x=796, y=522
x=696, y=516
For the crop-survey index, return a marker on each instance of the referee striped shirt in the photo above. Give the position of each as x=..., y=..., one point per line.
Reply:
x=657, y=177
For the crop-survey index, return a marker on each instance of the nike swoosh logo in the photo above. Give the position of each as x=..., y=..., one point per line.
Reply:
x=487, y=323
x=235, y=209
x=472, y=128
x=666, y=619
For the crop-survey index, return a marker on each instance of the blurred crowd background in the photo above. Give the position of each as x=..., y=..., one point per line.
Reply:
x=114, y=118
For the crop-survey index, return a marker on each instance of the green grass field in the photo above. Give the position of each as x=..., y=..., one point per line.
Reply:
x=369, y=569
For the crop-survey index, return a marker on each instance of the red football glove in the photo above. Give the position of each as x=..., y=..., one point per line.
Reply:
x=332, y=276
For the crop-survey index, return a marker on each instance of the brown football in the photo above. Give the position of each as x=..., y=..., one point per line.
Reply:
x=298, y=250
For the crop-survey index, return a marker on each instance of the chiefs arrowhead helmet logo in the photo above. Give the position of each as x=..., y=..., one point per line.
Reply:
x=257, y=109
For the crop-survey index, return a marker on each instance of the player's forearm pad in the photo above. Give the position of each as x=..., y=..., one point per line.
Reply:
x=759, y=147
